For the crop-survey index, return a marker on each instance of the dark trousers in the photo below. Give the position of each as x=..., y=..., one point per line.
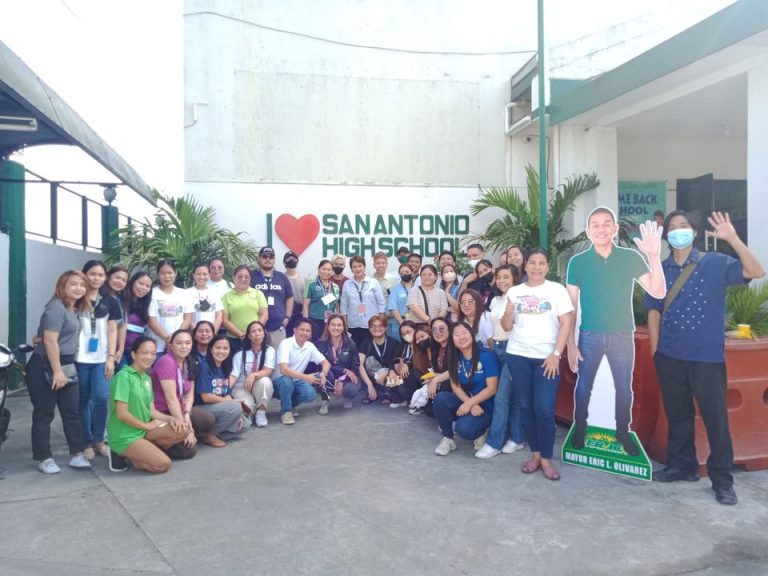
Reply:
x=359, y=335
x=44, y=402
x=682, y=381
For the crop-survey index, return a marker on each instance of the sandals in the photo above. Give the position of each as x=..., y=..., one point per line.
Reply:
x=550, y=473
x=530, y=466
x=385, y=401
x=367, y=400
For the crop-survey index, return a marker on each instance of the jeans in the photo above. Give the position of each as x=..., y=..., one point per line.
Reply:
x=292, y=392
x=507, y=418
x=680, y=382
x=536, y=394
x=228, y=416
x=467, y=426
x=44, y=402
x=619, y=348
x=94, y=394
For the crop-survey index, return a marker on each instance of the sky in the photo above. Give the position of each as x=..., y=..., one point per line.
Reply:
x=119, y=63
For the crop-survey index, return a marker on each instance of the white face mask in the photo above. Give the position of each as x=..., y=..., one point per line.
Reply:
x=407, y=338
x=449, y=277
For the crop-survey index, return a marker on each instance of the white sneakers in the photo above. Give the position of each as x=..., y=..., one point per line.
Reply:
x=287, y=418
x=79, y=462
x=486, y=451
x=512, y=447
x=261, y=419
x=446, y=446
x=480, y=442
x=323, y=408
x=48, y=466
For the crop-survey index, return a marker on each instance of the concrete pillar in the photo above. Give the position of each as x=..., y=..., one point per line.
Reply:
x=585, y=149
x=757, y=168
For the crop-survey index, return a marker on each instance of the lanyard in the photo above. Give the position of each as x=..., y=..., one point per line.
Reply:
x=379, y=351
x=255, y=363
x=267, y=283
x=335, y=353
x=467, y=374
x=325, y=291
x=360, y=290
x=180, y=382
x=92, y=315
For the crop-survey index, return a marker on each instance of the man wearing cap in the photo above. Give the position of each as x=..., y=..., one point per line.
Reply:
x=279, y=293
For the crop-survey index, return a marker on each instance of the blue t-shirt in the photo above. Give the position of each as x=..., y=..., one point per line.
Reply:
x=693, y=327
x=474, y=382
x=398, y=299
x=277, y=289
x=210, y=380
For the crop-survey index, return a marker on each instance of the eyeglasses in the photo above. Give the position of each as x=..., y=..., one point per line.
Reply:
x=267, y=256
x=439, y=330
x=377, y=326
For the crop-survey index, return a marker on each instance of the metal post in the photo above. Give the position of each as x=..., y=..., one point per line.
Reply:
x=54, y=211
x=543, y=232
x=109, y=223
x=84, y=221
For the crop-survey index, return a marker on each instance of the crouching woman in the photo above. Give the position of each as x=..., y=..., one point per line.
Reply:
x=137, y=431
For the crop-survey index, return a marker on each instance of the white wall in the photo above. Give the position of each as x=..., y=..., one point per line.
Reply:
x=45, y=263
x=757, y=165
x=672, y=158
x=267, y=106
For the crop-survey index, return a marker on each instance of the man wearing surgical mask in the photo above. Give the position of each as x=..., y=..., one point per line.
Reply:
x=688, y=346
x=291, y=263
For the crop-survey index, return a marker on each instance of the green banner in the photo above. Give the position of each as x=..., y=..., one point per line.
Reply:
x=602, y=451
x=639, y=200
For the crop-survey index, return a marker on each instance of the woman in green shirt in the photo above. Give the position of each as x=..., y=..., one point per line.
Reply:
x=242, y=305
x=137, y=431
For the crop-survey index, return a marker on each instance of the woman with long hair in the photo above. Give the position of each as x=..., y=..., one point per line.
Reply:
x=252, y=369
x=437, y=378
x=427, y=301
x=321, y=299
x=202, y=335
x=449, y=282
x=206, y=301
x=516, y=256
x=472, y=311
x=136, y=299
x=173, y=378
x=137, y=430
x=540, y=315
x=340, y=350
x=474, y=376
x=52, y=376
x=214, y=394
x=95, y=359
x=170, y=308
x=117, y=278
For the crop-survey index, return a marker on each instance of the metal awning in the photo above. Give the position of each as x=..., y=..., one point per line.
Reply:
x=32, y=114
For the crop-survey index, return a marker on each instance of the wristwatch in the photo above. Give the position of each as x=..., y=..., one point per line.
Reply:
x=557, y=353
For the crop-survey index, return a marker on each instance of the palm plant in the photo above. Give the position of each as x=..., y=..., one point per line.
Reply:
x=520, y=223
x=183, y=231
x=748, y=305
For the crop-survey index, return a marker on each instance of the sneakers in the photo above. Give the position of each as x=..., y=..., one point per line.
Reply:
x=79, y=462
x=511, y=447
x=287, y=418
x=261, y=419
x=323, y=408
x=347, y=404
x=89, y=453
x=48, y=466
x=446, y=446
x=725, y=495
x=486, y=451
x=479, y=442
x=578, y=438
x=117, y=463
x=398, y=404
x=669, y=474
x=415, y=410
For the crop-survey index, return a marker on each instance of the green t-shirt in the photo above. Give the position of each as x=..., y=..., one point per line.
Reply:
x=605, y=288
x=136, y=390
x=243, y=307
x=315, y=291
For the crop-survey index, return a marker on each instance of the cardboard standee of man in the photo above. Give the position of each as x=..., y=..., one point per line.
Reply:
x=600, y=281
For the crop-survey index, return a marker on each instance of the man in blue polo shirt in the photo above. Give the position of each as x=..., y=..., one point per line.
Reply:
x=278, y=292
x=688, y=347
x=602, y=280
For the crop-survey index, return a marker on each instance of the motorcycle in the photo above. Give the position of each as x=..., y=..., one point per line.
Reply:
x=7, y=361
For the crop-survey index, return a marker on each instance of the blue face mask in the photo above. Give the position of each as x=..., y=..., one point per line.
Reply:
x=680, y=238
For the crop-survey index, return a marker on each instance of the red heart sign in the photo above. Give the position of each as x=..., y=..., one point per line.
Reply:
x=297, y=233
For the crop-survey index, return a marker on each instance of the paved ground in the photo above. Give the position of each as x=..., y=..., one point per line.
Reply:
x=361, y=492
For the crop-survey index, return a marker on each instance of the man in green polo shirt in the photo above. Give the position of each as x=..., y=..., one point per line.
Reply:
x=601, y=279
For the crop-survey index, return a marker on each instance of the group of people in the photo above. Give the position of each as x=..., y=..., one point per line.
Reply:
x=156, y=369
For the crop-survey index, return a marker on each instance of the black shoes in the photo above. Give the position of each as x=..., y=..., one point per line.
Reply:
x=725, y=495
x=675, y=475
x=117, y=463
x=577, y=440
x=628, y=443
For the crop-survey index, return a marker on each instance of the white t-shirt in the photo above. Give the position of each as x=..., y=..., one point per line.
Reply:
x=250, y=360
x=296, y=357
x=484, y=329
x=537, y=318
x=168, y=310
x=214, y=300
x=221, y=287
x=498, y=305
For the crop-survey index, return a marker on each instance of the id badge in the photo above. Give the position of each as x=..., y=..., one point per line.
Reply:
x=328, y=299
x=93, y=344
x=361, y=309
x=270, y=301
